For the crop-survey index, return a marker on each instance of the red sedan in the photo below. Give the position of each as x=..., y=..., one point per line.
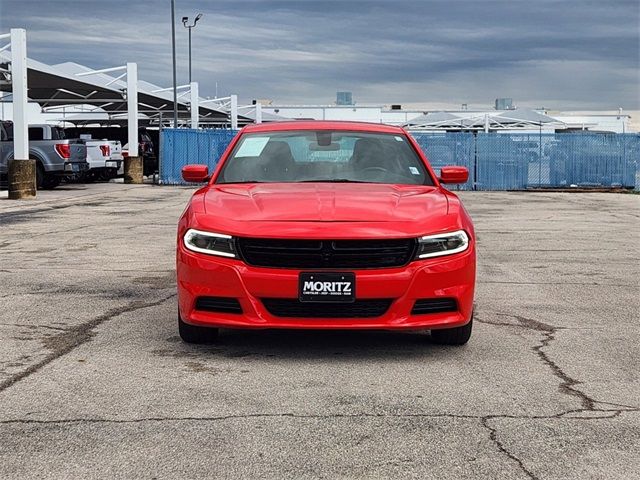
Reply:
x=325, y=225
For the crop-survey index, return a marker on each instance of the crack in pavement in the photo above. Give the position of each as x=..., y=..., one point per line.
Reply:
x=481, y=418
x=568, y=384
x=75, y=336
x=493, y=436
x=484, y=422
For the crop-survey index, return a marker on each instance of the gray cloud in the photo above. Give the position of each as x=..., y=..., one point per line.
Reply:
x=560, y=54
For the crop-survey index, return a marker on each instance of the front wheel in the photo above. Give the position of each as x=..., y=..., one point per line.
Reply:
x=453, y=336
x=193, y=334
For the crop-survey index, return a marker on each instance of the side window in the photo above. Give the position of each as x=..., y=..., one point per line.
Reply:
x=36, y=134
x=8, y=131
x=57, y=133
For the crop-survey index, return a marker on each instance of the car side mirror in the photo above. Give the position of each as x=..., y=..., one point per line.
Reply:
x=195, y=173
x=454, y=175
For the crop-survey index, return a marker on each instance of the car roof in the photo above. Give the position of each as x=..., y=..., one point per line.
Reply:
x=322, y=125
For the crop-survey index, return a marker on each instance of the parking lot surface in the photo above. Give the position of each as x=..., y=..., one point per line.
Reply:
x=95, y=382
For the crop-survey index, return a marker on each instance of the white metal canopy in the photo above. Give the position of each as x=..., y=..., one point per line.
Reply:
x=53, y=86
x=519, y=119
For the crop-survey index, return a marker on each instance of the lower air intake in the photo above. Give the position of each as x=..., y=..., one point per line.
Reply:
x=364, y=308
x=218, y=304
x=434, y=305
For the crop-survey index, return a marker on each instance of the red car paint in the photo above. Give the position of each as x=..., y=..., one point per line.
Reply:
x=325, y=211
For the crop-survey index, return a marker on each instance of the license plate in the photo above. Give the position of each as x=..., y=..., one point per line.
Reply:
x=327, y=287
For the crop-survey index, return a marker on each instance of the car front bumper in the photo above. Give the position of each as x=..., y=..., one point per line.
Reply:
x=201, y=275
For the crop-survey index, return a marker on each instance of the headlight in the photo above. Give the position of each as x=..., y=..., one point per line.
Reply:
x=442, y=244
x=210, y=243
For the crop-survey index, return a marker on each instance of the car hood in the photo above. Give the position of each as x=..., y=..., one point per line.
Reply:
x=299, y=207
x=325, y=202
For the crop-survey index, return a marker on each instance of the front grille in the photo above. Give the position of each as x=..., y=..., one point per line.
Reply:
x=218, y=304
x=350, y=254
x=434, y=305
x=292, y=307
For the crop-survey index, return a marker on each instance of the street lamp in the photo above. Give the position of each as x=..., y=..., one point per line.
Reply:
x=173, y=53
x=185, y=22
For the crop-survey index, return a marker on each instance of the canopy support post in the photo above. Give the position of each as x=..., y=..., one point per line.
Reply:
x=22, y=170
x=194, y=105
x=133, y=164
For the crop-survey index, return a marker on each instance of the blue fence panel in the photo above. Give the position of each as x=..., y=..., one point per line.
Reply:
x=586, y=160
x=517, y=161
x=496, y=161
x=179, y=147
x=443, y=149
x=501, y=162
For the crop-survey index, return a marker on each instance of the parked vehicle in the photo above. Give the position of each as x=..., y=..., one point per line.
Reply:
x=56, y=157
x=147, y=151
x=104, y=157
x=325, y=225
x=148, y=139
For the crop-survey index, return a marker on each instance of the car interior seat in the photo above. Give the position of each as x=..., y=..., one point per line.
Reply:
x=276, y=162
x=368, y=153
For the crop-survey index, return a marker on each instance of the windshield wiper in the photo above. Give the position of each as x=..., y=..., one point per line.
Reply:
x=333, y=180
x=244, y=181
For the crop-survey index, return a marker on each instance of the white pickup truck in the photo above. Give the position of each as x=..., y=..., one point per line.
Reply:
x=104, y=157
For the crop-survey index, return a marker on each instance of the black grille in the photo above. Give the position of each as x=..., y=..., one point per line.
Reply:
x=434, y=305
x=351, y=254
x=218, y=304
x=292, y=307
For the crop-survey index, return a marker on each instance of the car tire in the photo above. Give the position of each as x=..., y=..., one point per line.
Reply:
x=45, y=181
x=198, y=335
x=453, y=336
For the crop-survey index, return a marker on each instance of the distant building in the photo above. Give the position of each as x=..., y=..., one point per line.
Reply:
x=504, y=104
x=344, y=98
x=434, y=118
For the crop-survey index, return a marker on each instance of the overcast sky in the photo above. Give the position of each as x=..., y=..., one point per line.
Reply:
x=570, y=54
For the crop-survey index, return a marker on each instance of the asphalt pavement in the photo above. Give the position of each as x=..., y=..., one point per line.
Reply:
x=95, y=382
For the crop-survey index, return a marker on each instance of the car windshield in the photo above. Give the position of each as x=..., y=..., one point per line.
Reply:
x=324, y=156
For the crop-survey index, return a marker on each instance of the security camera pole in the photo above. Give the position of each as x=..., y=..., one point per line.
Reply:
x=22, y=170
x=185, y=22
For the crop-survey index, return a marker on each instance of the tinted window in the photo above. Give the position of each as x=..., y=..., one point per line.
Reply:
x=57, y=133
x=35, y=133
x=8, y=130
x=324, y=156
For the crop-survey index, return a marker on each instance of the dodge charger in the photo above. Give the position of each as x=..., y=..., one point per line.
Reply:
x=325, y=225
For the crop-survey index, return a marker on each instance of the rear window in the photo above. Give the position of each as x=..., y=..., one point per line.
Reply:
x=36, y=133
x=8, y=131
x=57, y=133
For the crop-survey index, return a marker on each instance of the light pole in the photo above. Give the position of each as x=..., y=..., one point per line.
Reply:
x=173, y=51
x=185, y=22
